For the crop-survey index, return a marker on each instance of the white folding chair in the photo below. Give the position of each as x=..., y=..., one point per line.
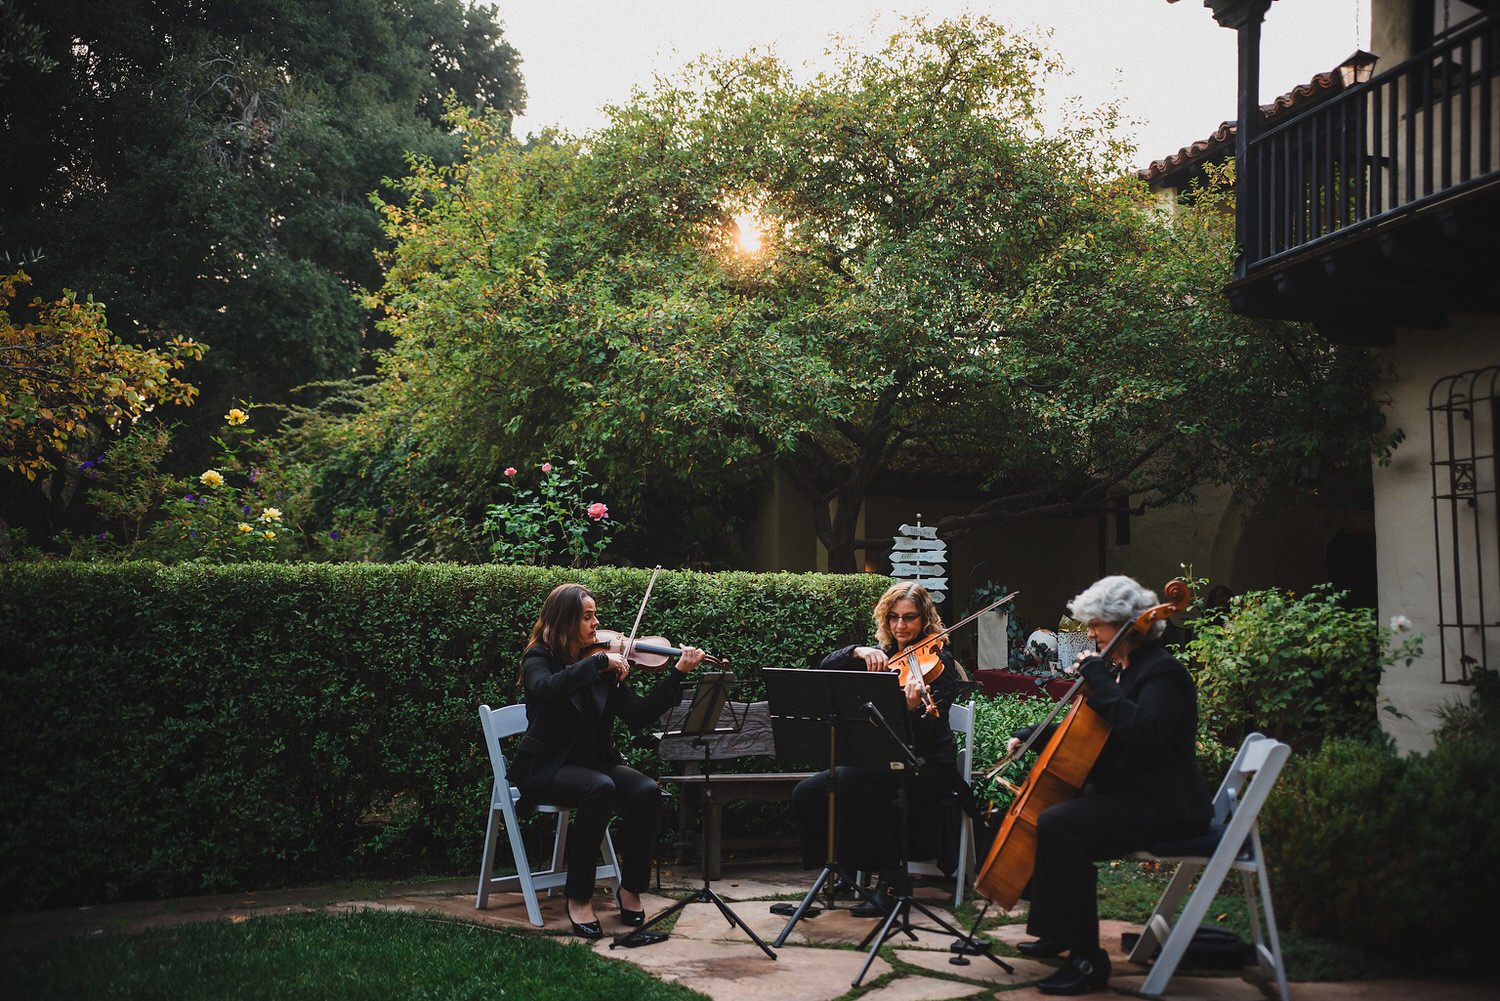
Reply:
x=961, y=721
x=498, y=724
x=1233, y=843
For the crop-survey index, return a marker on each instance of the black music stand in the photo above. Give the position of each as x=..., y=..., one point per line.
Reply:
x=699, y=719
x=899, y=918
x=819, y=718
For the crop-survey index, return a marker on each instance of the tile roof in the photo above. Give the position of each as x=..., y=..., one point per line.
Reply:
x=1221, y=143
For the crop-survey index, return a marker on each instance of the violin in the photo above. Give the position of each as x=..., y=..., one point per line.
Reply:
x=648, y=653
x=922, y=660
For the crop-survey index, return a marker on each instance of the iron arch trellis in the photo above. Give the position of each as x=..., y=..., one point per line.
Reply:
x=1464, y=419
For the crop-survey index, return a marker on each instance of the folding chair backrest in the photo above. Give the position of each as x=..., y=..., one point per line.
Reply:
x=507, y=721
x=961, y=722
x=1247, y=784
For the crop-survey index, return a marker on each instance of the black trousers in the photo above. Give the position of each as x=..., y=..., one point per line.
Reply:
x=1070, y=837
x=596, y=796
x=869, y=818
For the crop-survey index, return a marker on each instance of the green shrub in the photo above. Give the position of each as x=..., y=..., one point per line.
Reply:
x=1389, y=854
x=995, y=719
x=196, y=728
x=1298, y=669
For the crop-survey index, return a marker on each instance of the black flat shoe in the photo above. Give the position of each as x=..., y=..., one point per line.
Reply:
x=628, y=917
x=1082, y=973
x=589, y=929
x=1041, y=949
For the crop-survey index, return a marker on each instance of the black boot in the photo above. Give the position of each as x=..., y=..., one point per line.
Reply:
x=878, y=905
x=1086, y=970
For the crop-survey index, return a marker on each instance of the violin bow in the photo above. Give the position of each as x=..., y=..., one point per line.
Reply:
x=925, y=640
x=635, y=627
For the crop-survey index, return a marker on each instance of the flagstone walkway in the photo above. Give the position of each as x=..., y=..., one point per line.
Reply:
x=708, y=954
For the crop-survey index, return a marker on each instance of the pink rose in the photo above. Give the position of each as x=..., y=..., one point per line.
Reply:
x=598, y=511
x=510, y=470
x=546, y=467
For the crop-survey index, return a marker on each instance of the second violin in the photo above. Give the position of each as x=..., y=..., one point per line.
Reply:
x=923, y=658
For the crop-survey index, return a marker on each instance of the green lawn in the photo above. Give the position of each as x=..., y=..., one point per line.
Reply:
x=328, y=957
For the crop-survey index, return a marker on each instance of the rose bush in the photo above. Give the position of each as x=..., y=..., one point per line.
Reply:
x=551, y=524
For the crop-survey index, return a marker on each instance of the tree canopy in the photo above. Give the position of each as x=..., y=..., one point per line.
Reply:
x=946, y=289
x=204, y=167
x=65, y=377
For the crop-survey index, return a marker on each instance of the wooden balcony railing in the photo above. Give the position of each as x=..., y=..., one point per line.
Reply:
x=1425, y=131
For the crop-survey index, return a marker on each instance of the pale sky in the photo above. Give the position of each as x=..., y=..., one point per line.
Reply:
x=1171, y=64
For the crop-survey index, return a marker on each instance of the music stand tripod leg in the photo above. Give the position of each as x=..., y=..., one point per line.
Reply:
x=705, y=893
x=901, y=907
x=829, y=873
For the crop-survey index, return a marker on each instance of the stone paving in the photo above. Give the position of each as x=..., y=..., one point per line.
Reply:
x=818, y=962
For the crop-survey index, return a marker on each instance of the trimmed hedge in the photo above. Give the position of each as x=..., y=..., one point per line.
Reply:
x=188, y=729
x=1393, y=855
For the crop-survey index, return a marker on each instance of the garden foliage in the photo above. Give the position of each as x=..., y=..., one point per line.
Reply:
x=995, y=719
x=940, y=272
x=66, y=379
x=559, y=522
x=1300, y=669
x=194, y=728
x=1390, y=854
x=250, y=501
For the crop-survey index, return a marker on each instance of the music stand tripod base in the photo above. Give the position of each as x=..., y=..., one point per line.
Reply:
x=712, y=692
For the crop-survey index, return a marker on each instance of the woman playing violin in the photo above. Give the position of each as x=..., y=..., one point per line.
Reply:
x=868, y=836
x=568, y=757
x=1144, y=788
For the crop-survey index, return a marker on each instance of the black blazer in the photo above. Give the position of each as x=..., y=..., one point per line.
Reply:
x=1153, y=716
x=557, y=715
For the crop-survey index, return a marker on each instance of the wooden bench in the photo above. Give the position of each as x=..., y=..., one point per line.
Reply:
x=754, y=739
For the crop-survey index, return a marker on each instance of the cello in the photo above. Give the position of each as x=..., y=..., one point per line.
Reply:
x=1061, y=769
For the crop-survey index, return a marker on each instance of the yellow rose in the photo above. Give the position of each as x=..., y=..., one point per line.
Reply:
x=211, y=478
x=243, y=528
x=236, y=416
x=269, y=534
x=271, y=514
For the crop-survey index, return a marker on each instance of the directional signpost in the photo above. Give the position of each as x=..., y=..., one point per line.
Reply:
x=917, y=554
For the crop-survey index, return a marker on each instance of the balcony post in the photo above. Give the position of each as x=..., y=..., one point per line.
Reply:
x=1245, y=17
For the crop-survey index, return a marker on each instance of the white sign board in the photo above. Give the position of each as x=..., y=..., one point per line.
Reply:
x=917, y=554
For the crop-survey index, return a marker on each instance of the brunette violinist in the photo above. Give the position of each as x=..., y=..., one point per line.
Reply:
x=868, y=836
x=1144, y=788
x=568, y=757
